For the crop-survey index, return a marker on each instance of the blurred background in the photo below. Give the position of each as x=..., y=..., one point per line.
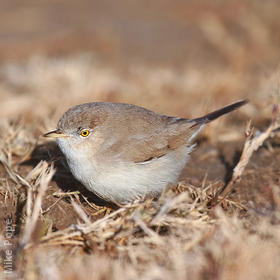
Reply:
x=175, y=57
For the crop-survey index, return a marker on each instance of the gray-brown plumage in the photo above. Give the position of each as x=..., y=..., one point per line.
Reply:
x=137, y=151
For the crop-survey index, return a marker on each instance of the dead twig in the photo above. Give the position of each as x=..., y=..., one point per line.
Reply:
x=252, y=144
x=80, y=211
x=32, y=216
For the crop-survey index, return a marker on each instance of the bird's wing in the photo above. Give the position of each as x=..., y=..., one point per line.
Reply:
x=142, y=148
x=174, y=133
x=145, y=146
x=141, y=140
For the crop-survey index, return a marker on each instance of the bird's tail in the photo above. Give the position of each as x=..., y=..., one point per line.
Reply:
x=216, y=114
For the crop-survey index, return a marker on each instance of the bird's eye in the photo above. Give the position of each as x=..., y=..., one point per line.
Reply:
x=85, y=133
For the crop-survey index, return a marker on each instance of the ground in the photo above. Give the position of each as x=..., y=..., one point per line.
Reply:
x=173, y=57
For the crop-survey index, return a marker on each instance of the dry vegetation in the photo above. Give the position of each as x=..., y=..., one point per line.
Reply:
x=222, y=221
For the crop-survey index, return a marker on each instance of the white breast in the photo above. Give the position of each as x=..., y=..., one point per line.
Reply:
x=122, y=182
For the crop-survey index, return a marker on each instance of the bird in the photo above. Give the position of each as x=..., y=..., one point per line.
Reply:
x=124, y=153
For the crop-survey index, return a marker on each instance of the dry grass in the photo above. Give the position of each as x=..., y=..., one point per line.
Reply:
x=252, y=144
x=52, y=228
x=177, y=236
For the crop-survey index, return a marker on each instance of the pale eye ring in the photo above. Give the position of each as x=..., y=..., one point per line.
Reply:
x=85, y=132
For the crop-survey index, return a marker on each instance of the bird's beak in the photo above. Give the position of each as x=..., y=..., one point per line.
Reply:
x=55, y=134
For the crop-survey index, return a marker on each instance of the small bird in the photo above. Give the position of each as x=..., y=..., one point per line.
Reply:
x=123, y=152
